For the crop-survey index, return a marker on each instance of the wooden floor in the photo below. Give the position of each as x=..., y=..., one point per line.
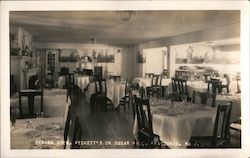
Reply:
x=111, y=129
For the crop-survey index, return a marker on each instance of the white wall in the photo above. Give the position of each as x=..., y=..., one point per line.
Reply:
x=155, y=59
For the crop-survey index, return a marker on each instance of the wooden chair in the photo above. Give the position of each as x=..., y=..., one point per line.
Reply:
x=207, y=77
x=149, y=75
x=222, y=86
x=155, y=88
x=142, y=93
x=64, y=71
x=147, y=139
x=30, y=93
x=132, y=101
x=126, y=99
x=75, y=144
x=98, y=72
x=74, y=93
x=134, y=112
x=215, y=85
x=13, y=86
x=70, y=78
x=66, y=129
x=99, y=100
x=183, y=74
x=221, y=134
x=180, y=87
x=204, y=97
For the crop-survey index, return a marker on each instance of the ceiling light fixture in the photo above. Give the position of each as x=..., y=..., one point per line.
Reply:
x=127, y=16
x=93, y=41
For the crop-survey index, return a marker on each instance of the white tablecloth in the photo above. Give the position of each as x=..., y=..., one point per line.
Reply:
x=176, y=125
x=201, y=86
x=115, y=91
x=146, y=82
x=81, y=81
x=61, y=81
x=198, y=86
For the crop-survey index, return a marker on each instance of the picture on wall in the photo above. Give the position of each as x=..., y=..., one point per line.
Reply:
x=203, y=53
x=140, y=58
x=97, y=55
x=68, y=55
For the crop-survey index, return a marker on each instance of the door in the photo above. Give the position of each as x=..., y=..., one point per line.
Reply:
x=51, y=62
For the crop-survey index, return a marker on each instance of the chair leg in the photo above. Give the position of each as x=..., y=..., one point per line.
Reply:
x=76, y=135
x=66, y=129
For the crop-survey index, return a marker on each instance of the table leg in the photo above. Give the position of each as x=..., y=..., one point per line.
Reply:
x=20, y=105
x=42, y=102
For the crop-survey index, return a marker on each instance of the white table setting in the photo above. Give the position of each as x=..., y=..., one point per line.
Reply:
x=175, y=124
x=115, y=91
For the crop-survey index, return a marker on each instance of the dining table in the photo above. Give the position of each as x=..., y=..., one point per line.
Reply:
x=200, y=86
x=146, y=82
x=176, y=123
x=37, y=133
x=81, y=81
x=115, y=91
x=192, y=85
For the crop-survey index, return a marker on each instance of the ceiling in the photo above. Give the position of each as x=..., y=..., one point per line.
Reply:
x=112, y=27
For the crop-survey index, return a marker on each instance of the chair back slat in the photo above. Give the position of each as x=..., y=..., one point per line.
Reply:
x=133, y=104
x=156, y=80
x=149, y=75
x=142, y=93
x=101, y=86
x=143, y=114
x=76, y=135
x=204, y=98
x=222, y=124
x=215, y=85
x=180, y=87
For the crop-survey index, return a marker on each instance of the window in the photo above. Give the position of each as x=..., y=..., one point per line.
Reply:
x=51, y=58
